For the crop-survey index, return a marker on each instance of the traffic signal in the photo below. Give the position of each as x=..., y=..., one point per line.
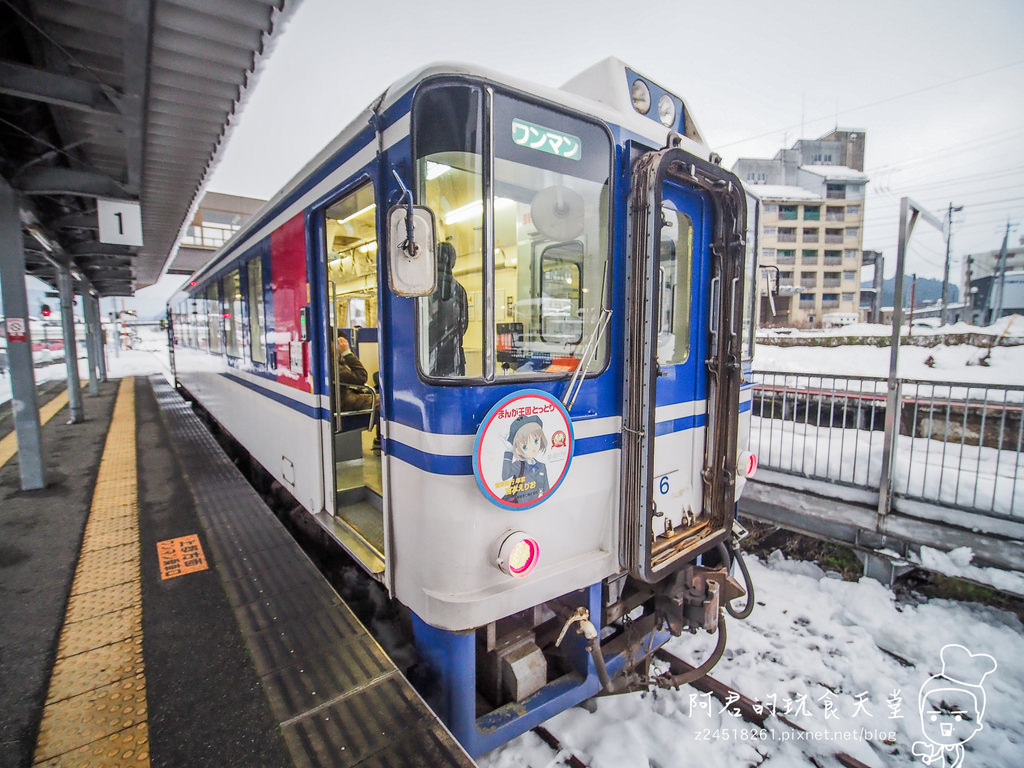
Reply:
x=46, y=310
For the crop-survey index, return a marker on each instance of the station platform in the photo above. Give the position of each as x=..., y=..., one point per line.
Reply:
x=156, y=612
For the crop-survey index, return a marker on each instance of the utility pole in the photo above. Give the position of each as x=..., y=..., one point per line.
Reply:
x=1000, y=276
x=945, y=274
x=913, y=298
x=970, y=291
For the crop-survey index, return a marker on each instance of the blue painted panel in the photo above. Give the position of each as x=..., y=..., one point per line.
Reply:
x=452, y=659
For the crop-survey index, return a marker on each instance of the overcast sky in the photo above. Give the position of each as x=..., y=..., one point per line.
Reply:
x=936, y=85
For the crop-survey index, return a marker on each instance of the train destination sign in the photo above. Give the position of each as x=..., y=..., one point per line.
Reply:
x=523, y=449
x=545, y=139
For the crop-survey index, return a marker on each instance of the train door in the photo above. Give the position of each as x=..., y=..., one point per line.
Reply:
x=681, y=387
x=350, y=232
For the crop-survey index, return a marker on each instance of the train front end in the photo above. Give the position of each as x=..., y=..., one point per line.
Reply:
x=564, y=391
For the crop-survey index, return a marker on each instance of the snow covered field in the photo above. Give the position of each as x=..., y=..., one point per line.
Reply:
x=956, y=362
x=845, y=660
x=148, y=356
x=823, y=650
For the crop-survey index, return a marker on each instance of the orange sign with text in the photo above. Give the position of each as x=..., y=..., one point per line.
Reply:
x=180, y=556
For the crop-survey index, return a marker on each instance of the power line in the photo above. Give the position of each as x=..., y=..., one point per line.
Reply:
x=876, y=103
x=981, y=142
x=967, y=179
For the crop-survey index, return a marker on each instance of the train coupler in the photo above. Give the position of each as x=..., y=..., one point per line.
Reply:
x=694, y=597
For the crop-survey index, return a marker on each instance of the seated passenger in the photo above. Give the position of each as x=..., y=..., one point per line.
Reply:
x=350, y=370
x=449, y=318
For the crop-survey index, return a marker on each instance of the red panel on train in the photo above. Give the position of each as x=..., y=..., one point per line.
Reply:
x=291, y=294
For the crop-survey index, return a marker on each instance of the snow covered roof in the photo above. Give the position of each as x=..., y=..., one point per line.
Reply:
x=836, y=172
x=780, y=192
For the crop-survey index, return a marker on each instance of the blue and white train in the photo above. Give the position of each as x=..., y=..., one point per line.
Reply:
x=551, y=294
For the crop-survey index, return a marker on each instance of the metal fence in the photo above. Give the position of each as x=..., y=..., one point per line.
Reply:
x=956, y=445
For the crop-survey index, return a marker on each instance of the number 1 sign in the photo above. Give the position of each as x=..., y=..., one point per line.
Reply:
x=120, y=221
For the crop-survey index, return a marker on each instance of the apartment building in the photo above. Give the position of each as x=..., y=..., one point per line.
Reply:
x=811, y=225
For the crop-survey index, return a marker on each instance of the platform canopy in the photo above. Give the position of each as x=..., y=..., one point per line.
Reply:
x=111, y=114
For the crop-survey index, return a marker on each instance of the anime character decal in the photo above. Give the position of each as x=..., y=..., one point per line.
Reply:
x=523, y=449
x=952, y=705
x=523, y=468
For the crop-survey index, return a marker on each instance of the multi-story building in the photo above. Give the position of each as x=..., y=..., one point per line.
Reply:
x=811, y=225
x=995, y=284
x=216, y=219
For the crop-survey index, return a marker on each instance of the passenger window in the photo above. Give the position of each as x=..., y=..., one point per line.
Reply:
x=450, y=174
x=214, y=319
x=199, y=324
x=550, y=205
x=550, y=230
x=257, y=335
x=233, y=306
x=675, y=277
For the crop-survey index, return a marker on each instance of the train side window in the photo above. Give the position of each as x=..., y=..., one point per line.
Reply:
x=233, y=312
x=213, y=318
x=199, y=322
x=551, y=176
x=449, y=169
x=541, y=286
x=676, y=278
x=257, y=335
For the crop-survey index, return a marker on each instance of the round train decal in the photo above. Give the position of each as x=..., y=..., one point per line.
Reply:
x=523, y=449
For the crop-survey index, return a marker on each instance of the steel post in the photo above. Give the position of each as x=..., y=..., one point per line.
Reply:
x=909, y=214
x=19, y=353
x=92, y=341
x=67, y=316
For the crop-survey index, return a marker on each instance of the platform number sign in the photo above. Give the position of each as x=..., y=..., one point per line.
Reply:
x=120, y=222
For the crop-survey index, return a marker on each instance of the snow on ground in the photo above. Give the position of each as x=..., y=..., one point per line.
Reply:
x=148, y=356
x=823, y=649
x=955, y=362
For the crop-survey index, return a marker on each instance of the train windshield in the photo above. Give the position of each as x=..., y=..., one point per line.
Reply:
x=530, y=307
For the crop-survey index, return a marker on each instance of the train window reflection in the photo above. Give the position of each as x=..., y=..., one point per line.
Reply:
x=214, y=319
x=675, y=272
x=549, y=228
x=233, y=307
x=257, y=339
x=450, y=175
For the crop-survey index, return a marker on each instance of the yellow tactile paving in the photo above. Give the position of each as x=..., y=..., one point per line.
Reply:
x=9, y=445
x=95, y=711
x=128, y=747
x=90, y=716
x=99, y=601
x=85, y=635
x=98, y=667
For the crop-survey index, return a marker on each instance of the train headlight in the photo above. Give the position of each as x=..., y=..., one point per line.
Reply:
x=667, y=110
x=517, y=553
x=747, y=465
x=641, y=96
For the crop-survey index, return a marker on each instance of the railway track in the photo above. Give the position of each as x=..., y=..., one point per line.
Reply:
x=748, y=709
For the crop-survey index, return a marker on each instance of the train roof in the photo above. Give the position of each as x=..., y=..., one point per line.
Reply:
x=600, y=91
